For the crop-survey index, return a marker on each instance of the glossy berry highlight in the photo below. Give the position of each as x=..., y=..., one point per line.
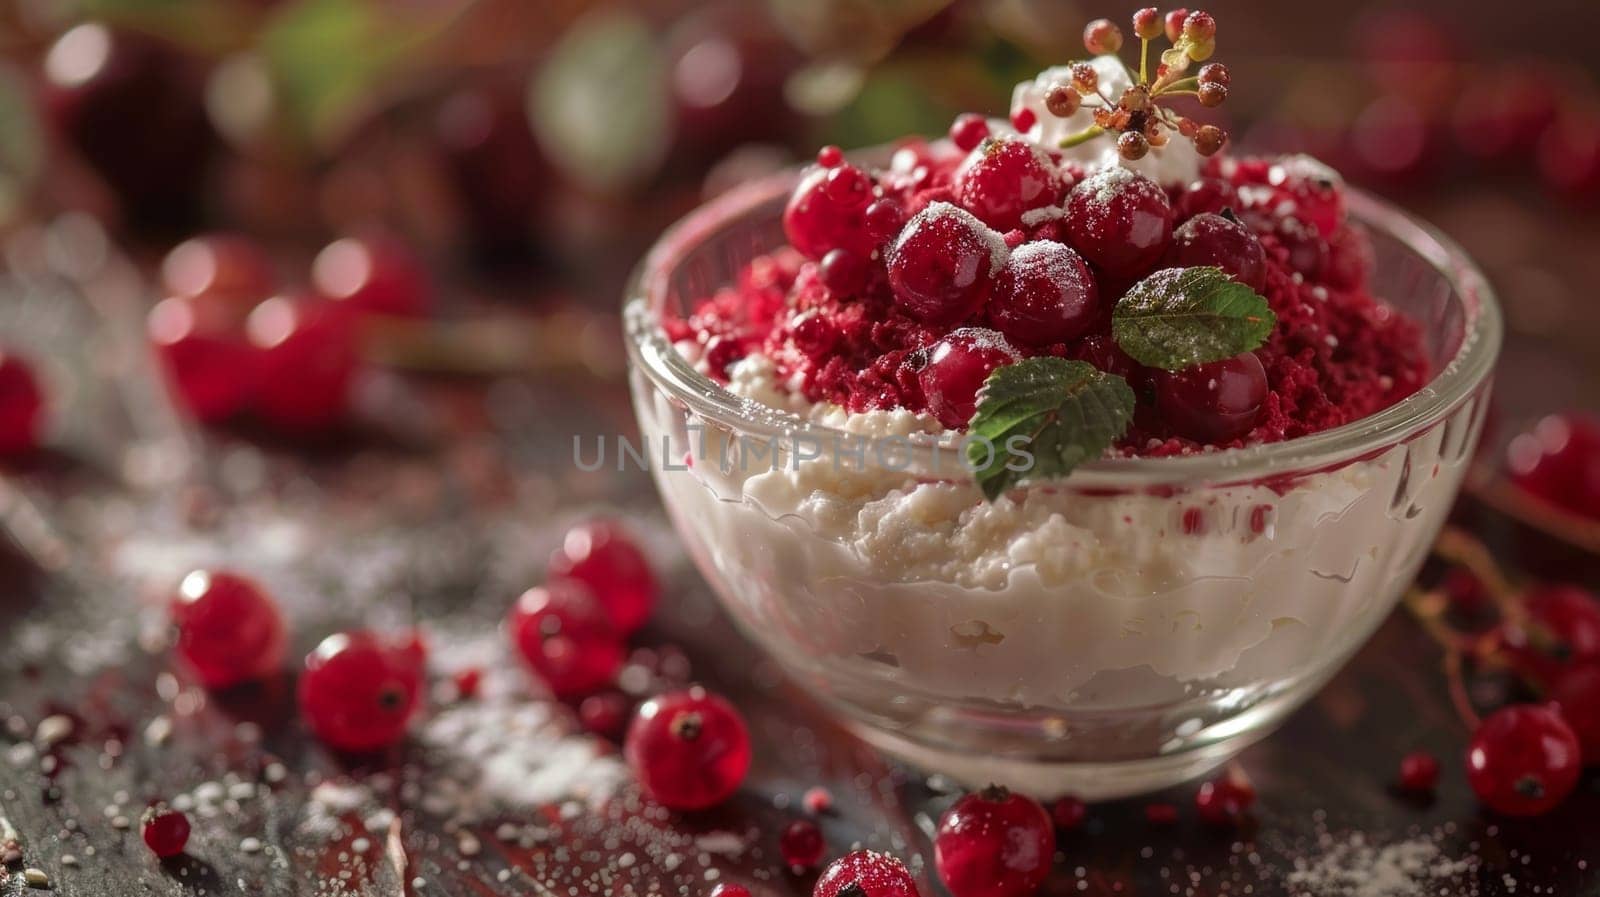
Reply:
x=802, y=845
x=689, y=749
x=866, y=873
x=359, y=691
x=603, y=556
x=164, y=830
x=566, y=639
x=994, y=843
x=1523, y=760
x=941, y=266
x=229, y=631
x=956, y=368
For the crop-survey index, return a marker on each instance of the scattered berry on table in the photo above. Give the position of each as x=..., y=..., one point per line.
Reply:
x=603, y=556
x=689, y=749
x=229, y=630
x=1226, y=799
x=566, y=637
x=1419, y=772
x=360, y=691
x=308, y=362
x=1068, y=813
x=165, y=830
x=801, y=844
x=1523, y=760
x=994, y=843
x=866, y=873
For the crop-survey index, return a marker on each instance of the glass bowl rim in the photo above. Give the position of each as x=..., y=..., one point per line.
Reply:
x=650, y=351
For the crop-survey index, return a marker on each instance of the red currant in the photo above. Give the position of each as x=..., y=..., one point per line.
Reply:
x=308, y=362
x=830, y=156
x=993, y=843
x=1575, y=693
x=941, y=266
x=802, y=844
x=843, y=272
x=848, y=186
x=1570, y=614
x=1120, y=221
x=376, y=275
x=689, y=749
x=815, y=222
x=1103, y=352
x=1220, y=242
x=1523, y=760
x=165, y=830
x=1200, y=26
x=1419, y=771
x=1005, y=179
x=359, y=691
x=1225, y=800
x=210, y=368
x=1043, y=295
x=21, y=407
x=885, y=217
x=866, y=873
x=605, y=714
x=1559, y=461
x=1023, y=119
x=467, y=682
x=968, y=130
x=229, y=631
x=1215, y=402
x=1068, y=813
x=566, y=638
x=729, y=889
x=227, y=266
x=956, y=369
x=601, y=555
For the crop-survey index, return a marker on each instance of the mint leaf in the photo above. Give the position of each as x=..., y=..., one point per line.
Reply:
x=1180, y=317
x=1040, y=418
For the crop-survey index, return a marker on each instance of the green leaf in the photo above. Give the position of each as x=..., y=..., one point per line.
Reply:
x=1040, y=418
x=1180, y=317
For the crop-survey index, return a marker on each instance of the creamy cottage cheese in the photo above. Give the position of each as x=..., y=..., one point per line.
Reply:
x=1036, y=600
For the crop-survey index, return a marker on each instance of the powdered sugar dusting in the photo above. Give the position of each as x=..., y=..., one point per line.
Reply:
x=1356, y=867
x=998, y=250
x=1053, y=261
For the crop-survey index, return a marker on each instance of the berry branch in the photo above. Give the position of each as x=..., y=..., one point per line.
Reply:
x=1138, y=118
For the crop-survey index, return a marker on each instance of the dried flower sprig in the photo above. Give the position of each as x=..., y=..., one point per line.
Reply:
x=1138, y=118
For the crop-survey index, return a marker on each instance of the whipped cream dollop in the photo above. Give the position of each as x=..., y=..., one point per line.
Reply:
x=1173, y=164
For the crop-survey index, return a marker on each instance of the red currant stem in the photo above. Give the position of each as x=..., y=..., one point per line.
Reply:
x=1429, y=608
x=1170, y=92
x=1457, y=547
x=1144, y=60
x=1083, y=136
x=1458, y=691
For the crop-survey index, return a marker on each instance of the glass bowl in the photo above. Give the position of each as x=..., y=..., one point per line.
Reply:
x=1121, y=630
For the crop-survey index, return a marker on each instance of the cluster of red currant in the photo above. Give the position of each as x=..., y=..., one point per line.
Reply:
x=1524, y=758
x=231, y=340
x=1139, y=117
x=359, y=691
